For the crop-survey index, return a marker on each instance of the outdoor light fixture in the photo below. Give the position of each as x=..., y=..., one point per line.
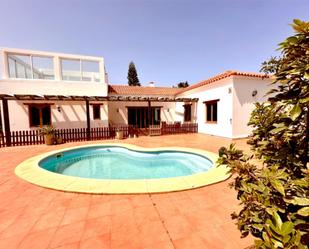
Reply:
x=117, y=110
x=58, y=108
x=254, y=93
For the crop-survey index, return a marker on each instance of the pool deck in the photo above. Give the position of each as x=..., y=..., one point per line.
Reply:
x=37, y=218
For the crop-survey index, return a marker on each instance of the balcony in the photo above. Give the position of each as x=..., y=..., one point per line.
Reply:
x=36, y=72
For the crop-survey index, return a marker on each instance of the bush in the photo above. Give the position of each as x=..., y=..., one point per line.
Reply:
x=274, y=193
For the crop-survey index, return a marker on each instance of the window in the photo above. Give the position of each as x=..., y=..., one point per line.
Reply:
x=19, y=66
x=90, y=71
x=71, y=70
x=187, y=113
x=43, y=68
x=156, y=115
x=30, y=67
x=39, y=115
x=96, y=111
x=80, y=70
x=211, y=111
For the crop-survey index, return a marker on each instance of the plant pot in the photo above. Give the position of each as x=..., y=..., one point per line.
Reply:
x=49, y=139
x=59, y=140
x=119, y=135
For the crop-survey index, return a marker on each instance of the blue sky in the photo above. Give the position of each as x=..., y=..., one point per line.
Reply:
x=169, y=40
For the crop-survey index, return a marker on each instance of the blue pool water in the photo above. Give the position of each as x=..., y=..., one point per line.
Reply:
x=114, y=162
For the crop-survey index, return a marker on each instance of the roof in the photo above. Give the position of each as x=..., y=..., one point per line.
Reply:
x=142, y=90
x=221, y=76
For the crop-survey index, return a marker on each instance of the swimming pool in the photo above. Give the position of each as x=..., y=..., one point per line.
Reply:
x=117, y=168
x=114, y=162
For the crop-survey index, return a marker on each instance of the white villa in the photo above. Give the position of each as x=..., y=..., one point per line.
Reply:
x=72, y=91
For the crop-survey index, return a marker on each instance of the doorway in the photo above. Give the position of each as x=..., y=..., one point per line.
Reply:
x=139, y=116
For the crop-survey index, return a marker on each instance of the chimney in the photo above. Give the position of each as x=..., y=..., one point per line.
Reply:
x=151, y=84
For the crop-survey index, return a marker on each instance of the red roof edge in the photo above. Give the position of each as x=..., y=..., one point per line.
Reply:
x=221, y=76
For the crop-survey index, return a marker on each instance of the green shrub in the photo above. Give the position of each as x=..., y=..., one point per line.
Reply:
x=47, y=130
x=274, y=192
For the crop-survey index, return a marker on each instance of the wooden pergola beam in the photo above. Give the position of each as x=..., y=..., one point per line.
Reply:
x=96, y=98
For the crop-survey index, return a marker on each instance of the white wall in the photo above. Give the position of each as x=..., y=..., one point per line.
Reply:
x=72, y=114
x=168, y=111
x=243, y=102
x=217, y=90
x=47, y=87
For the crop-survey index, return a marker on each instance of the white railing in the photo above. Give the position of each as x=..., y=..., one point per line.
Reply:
x=37, y=65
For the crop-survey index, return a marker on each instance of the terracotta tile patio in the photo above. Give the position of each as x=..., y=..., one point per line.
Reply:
x=37, y=218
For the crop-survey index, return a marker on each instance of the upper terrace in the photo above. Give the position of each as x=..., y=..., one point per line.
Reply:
x=37, y=72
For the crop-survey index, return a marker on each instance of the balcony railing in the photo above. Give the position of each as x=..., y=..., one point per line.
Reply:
x=35, y=65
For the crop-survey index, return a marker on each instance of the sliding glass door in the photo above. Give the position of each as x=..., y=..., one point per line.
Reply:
x=139, y=116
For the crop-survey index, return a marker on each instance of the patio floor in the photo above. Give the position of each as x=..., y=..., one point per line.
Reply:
x=37, y=218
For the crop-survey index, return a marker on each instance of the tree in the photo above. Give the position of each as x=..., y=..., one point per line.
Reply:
x=132, y=75
x=183, y=84
x=275, y=195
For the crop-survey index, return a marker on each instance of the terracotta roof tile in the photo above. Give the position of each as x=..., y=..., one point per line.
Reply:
x=221, y=76
x=169, y=91
x=142, y=90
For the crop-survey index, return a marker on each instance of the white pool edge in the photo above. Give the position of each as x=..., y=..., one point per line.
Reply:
x=30, y=171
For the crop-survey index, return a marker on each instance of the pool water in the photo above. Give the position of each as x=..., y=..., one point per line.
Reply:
x=114, y=162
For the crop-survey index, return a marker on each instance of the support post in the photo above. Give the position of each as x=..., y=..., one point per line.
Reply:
x=88, y=118
x=149, y=114
x=6, y=120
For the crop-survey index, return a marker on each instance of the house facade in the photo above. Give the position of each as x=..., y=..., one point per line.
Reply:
x=56, y=76
x=226, y=102
x=72, y=91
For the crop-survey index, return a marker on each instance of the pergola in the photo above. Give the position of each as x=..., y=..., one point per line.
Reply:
x=87, y=99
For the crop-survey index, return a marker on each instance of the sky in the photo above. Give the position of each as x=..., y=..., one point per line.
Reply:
x=168, y=40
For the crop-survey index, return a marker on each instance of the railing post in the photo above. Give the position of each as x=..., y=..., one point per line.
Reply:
x=57, y=68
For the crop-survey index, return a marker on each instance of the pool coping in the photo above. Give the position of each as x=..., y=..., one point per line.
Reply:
x=30, y=171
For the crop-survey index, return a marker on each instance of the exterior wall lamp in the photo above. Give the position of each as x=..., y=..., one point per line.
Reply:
x=254, y=93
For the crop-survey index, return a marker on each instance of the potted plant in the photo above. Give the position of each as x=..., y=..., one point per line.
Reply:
x=119, y=134
x=59, y=140
x=48, y=132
